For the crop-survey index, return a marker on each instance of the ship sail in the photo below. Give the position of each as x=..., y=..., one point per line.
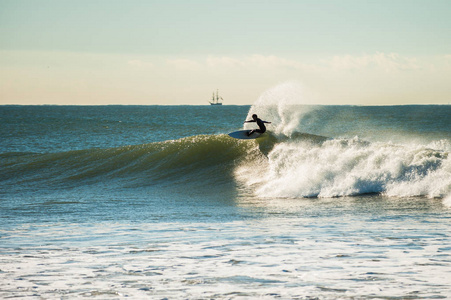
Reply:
x=215, y=100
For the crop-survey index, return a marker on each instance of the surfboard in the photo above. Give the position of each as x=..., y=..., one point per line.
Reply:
x=242, y=135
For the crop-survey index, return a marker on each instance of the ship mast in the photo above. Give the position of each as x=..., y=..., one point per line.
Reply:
x=215, y=99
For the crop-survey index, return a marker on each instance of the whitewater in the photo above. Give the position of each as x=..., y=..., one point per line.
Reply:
x=335, y=202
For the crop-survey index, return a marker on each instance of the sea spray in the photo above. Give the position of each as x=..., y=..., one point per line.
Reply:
x=299, y=166
x=283, y=105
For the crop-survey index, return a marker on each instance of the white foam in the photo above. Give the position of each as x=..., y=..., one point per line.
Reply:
x=342, y=167
x=339, y=167
x=308, y=256
x=447, y=201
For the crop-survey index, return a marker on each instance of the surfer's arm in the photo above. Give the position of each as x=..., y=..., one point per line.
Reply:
x=266, y=122
x=249, y=121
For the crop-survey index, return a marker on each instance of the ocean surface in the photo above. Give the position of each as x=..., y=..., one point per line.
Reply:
x=158, y=202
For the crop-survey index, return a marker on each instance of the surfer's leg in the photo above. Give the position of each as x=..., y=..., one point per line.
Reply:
x=250, y=132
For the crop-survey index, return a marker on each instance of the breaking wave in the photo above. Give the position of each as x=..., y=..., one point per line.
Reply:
x=346, y=167
x=302, y=165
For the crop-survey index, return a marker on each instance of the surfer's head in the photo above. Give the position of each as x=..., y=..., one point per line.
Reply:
x=254, y=116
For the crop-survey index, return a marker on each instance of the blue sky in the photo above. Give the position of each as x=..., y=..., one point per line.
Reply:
x=178, y=52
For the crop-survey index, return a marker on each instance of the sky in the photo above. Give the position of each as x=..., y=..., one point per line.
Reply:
x=172, y=52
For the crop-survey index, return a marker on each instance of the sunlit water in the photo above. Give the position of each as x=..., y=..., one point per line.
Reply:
x=158, y=202
x=361, y=247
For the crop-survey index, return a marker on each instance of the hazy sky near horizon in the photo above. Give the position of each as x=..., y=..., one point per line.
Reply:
x=179, y=52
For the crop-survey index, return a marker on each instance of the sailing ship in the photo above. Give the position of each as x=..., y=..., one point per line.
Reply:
x=215, y=100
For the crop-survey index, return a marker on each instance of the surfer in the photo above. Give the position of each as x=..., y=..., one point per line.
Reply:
x=260, y=123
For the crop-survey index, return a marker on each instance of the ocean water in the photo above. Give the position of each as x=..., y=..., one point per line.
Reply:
x=157, y=202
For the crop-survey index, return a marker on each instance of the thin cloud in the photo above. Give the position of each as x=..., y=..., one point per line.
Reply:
x=382, y=61
x=224, y=61
x=140, y=64
x=255, y=61
x=387, y=62
x=184, y=64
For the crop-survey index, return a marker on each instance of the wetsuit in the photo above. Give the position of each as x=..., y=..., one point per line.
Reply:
x=261, y=125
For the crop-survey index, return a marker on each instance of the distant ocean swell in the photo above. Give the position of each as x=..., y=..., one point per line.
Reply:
x=300, y=166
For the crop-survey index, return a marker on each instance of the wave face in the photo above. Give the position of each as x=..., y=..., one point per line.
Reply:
x=203, y=159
